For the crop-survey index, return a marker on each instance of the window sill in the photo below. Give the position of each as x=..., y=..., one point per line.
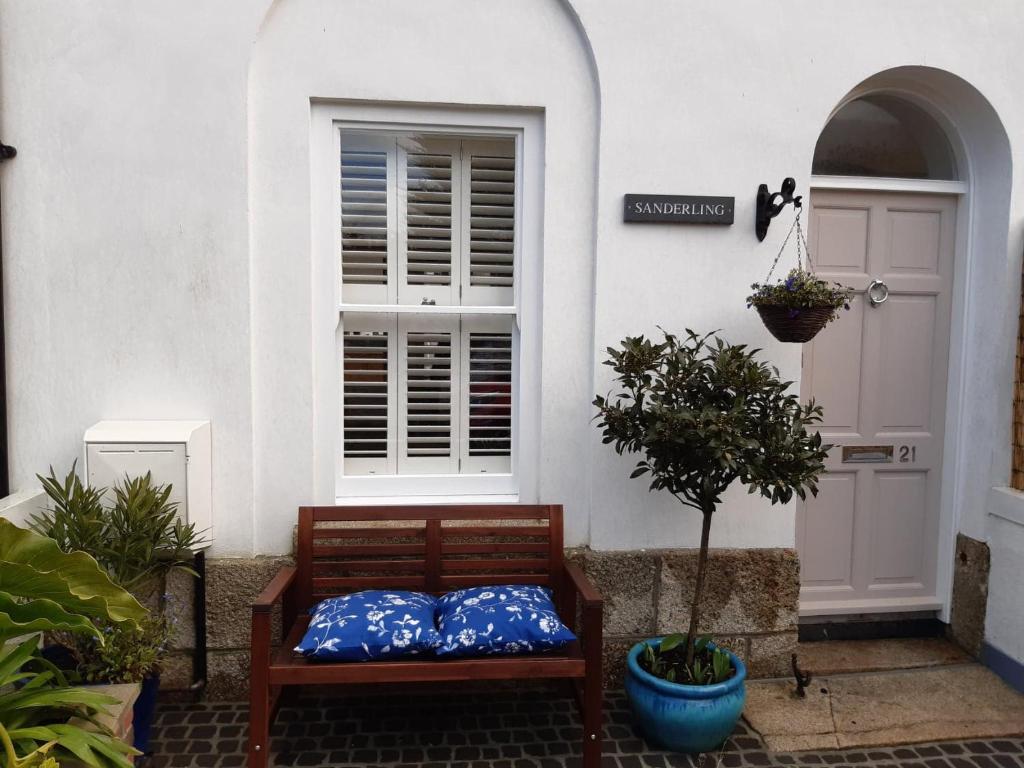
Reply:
x=431, y=488
x=497, y=498
x=428, y=309
x=1007, y=504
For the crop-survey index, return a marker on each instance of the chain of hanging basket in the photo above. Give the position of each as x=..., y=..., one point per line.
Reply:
x=799, y=255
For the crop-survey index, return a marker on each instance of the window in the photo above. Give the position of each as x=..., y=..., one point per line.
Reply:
x=882, y=135
x=428, y=343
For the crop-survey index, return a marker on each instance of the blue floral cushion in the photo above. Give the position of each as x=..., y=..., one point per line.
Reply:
x=499, y=620
x=374, y=624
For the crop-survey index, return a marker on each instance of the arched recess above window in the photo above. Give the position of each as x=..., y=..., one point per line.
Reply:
x=884, y=136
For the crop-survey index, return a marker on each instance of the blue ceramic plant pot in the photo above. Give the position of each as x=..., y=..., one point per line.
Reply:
x=684, y=718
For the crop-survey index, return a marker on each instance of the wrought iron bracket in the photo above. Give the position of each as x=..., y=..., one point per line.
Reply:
x=6, y=152
x=770, y=204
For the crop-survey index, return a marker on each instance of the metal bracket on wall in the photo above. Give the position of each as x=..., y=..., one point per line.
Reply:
x=770, y=204
x=6, y=152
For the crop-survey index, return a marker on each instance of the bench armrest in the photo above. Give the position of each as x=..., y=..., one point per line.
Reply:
x=275, y=590
x=584, y=588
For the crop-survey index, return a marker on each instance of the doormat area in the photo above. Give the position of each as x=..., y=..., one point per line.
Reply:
x=884, y=709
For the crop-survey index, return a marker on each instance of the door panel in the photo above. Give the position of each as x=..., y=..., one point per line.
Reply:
x=828, y=519
x=868, y=542
x=842, y=239
x=899, y=520
x=908, y=324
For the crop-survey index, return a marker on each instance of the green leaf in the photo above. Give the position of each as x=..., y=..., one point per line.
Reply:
x=670, y=642
x=34, y=567
x=22, y=618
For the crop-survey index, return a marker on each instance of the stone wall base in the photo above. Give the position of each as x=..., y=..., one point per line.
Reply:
x=971, y=565
x=750, y=606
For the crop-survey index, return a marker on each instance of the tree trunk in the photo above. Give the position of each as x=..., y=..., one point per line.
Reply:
x=698, y=588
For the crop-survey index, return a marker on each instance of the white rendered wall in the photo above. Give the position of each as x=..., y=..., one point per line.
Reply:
x=1004, y=622
x=686, y=112
x=156, y=220
x=126, y=262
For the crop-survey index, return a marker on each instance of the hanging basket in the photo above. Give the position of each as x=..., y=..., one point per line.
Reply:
x=794, y=325
x=797, y=324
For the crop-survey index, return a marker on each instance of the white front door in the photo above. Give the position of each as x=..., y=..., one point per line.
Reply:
x=869, y=541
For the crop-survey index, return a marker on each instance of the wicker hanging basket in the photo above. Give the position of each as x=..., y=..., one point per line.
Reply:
x=794, y=325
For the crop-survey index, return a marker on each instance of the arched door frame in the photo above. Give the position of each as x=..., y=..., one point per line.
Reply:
x=956, y=371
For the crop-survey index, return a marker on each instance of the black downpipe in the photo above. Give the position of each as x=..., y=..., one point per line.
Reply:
x=6, y=153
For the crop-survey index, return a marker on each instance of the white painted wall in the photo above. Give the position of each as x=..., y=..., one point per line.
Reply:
x=1004, y=621
x=156, y=220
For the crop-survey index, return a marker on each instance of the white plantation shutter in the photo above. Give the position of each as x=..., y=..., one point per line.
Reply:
x=368, y=234
x=427, y=220
x=487, y=377
x=489, y=221
x=429, y=191
x=428, y=406
x=369, y=385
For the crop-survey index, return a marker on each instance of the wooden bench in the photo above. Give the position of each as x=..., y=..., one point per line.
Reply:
x=431, y=549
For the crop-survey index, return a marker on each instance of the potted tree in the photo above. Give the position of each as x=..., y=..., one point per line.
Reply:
x=138, y=539
x=702, y=414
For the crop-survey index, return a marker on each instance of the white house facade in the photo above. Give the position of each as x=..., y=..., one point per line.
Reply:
x=381, y=248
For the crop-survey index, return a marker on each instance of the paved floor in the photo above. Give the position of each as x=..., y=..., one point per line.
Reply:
x=498, y=729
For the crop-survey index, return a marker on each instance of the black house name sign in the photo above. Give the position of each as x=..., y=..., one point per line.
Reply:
x=679, y=209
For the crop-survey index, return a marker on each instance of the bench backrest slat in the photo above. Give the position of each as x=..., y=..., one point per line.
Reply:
x=431, y=548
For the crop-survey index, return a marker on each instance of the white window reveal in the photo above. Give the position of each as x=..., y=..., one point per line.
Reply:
x=427, y=333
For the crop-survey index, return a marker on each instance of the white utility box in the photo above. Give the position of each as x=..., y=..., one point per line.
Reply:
x=176, y=452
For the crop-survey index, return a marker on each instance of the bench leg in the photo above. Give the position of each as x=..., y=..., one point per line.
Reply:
x=259, y=692
x=592, y=721
x=259, y=725
x=592, y=693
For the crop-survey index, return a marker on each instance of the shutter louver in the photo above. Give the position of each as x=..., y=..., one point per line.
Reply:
x=428, y=219
x=365, y=398
x=492, y=187
x=364, y=217
x=429, y=382
x=488, y=432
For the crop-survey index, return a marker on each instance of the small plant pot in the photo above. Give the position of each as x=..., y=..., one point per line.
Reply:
x=145, y=709
x=794, y=325
x=684, y=718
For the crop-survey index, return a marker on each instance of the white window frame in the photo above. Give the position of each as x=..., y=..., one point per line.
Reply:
x=526, y=127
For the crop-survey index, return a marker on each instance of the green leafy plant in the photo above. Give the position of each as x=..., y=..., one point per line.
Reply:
x=801, y=290
x=43, y=589
x=703, y=414
x=128, y=654
x=138, y=538
x=667, y=659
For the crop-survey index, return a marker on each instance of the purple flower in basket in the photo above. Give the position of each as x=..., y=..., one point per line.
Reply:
x=791, y=283
x=793, y=313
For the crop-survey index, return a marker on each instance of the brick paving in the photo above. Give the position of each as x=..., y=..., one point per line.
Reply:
x=497, y=729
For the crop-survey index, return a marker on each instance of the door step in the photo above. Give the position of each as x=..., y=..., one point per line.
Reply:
x=836, y=657
x=884, y=709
